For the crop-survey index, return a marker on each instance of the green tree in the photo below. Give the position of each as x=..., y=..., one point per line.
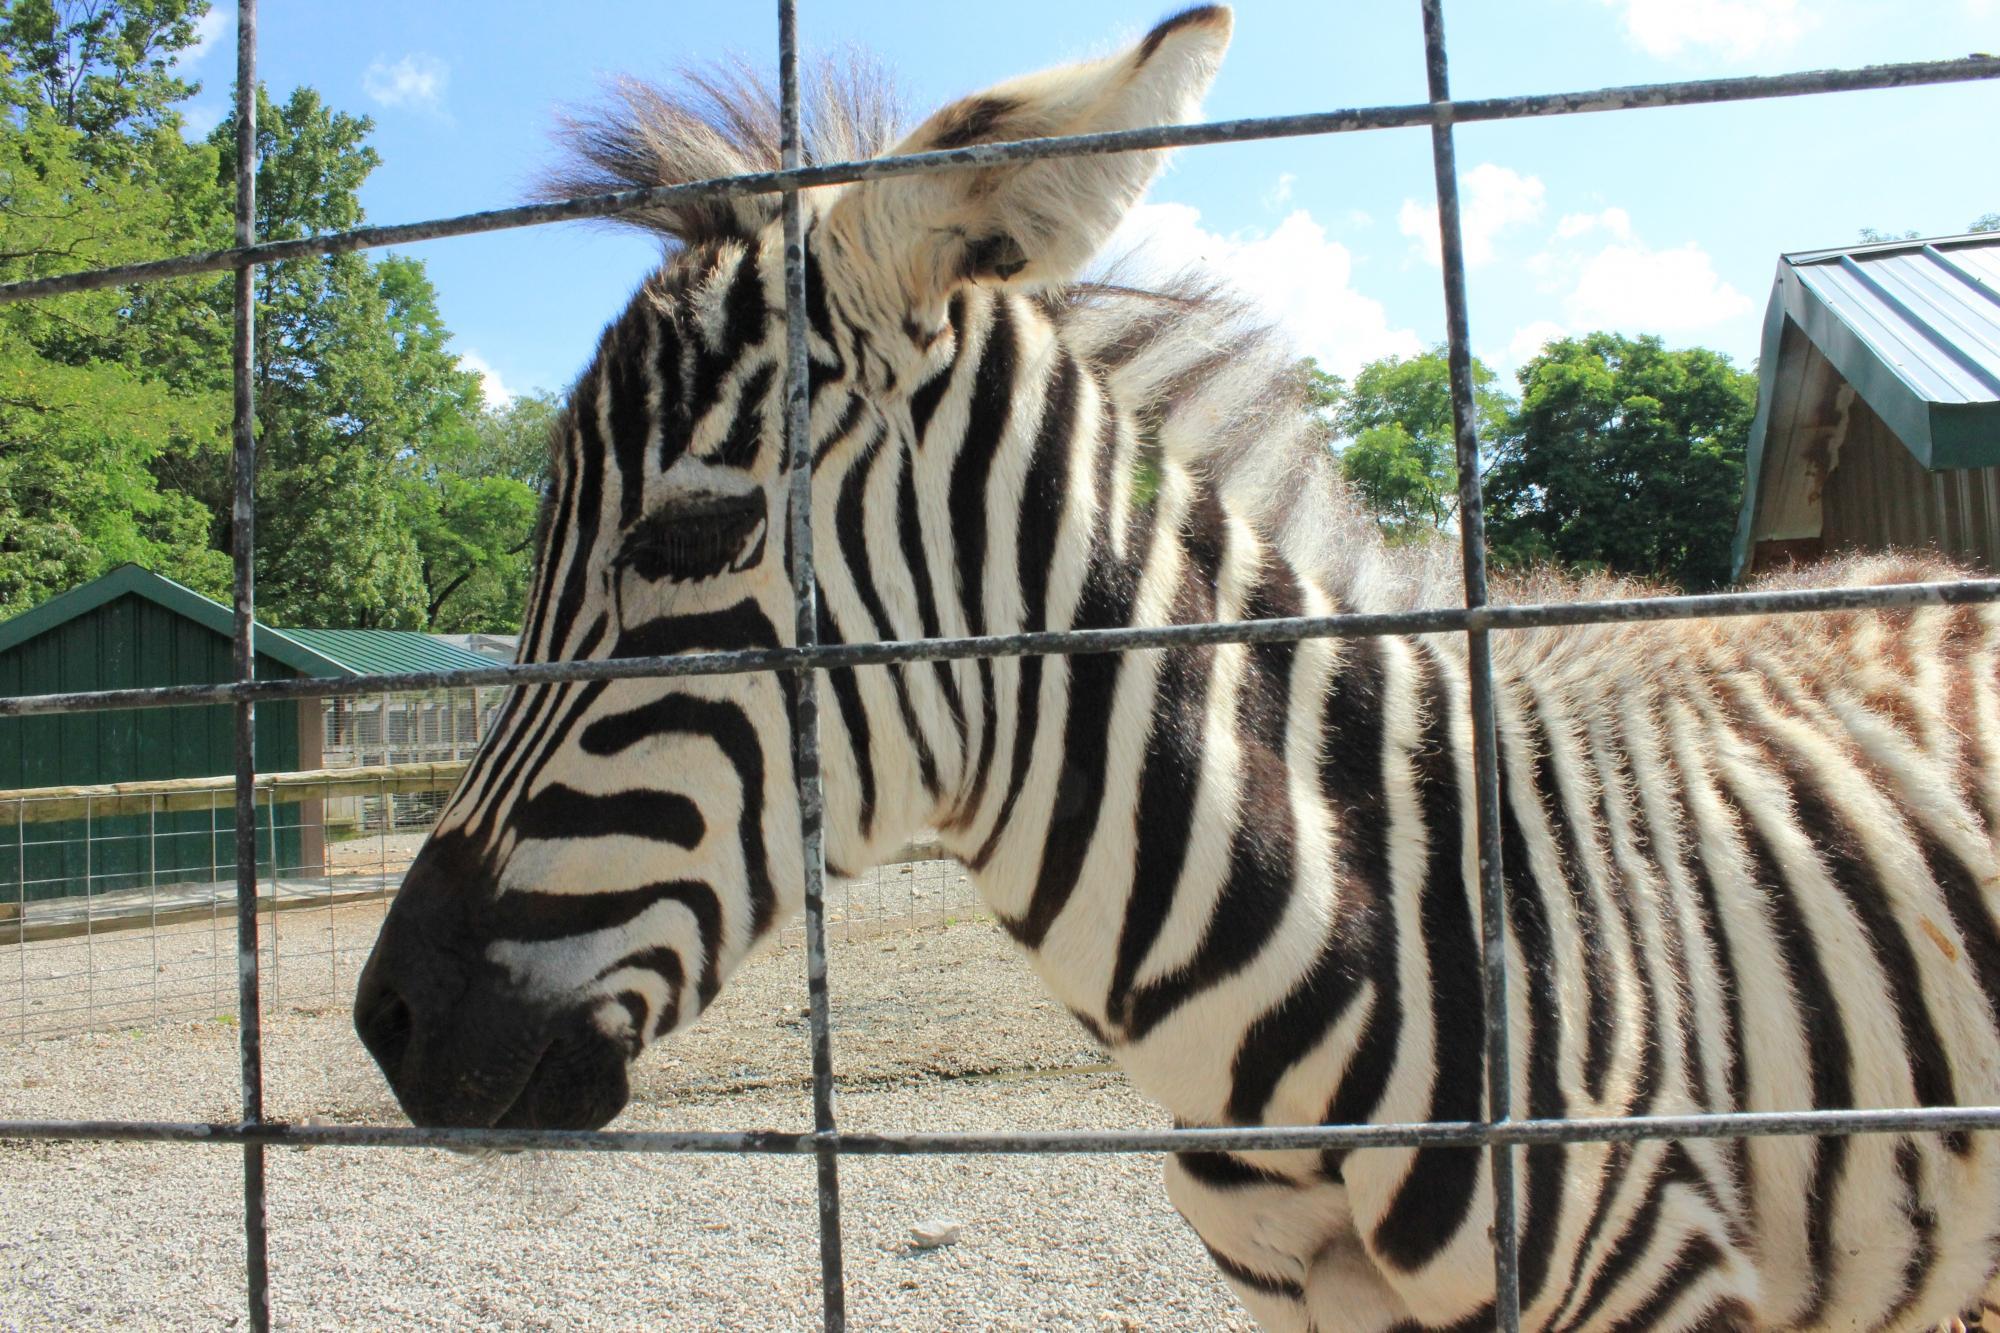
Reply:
x=1401, y=453
x=1623, y=455
x=359, y=402
x=1324, y=390
x=473, y=505
x=1984, y=222
x=384, y=496
x=104, y=69
x=88, y=151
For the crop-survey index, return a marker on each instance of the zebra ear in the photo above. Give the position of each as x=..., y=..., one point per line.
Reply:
x=1030, y=225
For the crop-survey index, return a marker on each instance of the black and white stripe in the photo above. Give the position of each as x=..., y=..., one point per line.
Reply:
x=1749, y=865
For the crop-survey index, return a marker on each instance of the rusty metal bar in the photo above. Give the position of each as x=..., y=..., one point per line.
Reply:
x=805, y=1142
x=1696, y=92
x=242, y=536
x=1438, y=620
x=1479, y=670
x=805, y=716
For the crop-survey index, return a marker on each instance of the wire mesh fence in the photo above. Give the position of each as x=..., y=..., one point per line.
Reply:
x=1500, y=1132
x=114, y=906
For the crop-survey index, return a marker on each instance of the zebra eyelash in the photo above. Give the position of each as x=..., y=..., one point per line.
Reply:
x=696, y=537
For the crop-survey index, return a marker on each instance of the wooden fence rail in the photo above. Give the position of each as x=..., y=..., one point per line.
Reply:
x=38, y=805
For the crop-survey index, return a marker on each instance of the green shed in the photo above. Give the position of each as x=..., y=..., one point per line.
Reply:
x=134, y=628
x=1878, y=406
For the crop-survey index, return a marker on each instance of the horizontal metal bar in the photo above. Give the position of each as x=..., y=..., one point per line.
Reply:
x=1697, y=92
x=1293, y=629
x=1281, y=1138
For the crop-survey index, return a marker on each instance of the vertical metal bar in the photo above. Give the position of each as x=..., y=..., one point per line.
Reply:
x=1479, y=658
x=243, y=533
x=21, y=905
x=326, y=869
x=89, y=926
x=153, y=893
x=805, y=743
x=214, y=916
x=271, y=823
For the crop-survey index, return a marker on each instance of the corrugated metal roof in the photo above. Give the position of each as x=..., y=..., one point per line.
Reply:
x=278, y=645
x=1931, y=311
x=1912, y=327
x=372, y=651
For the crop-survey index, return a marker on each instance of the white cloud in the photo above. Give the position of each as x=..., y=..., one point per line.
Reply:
x=1599, y=273
x=208, y=29
x=198, y=118
x=1528, y=341
x=1491, y=200
x=497, y=394
x=415, y=80
x=1738, y=28
x=1293, y=273
x=1281, y=193
x=1614, y=220
x=1632, y=287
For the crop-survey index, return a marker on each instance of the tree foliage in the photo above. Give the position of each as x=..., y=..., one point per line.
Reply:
x=475, y=512
x=1623, y=455
x=85, y=413
x=385, y=496
x=1401, y=453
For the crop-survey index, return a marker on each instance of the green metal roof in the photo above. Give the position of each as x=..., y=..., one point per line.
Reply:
x=1914, y=327
x=368, y=652
x=131, y=580
x=310, y=652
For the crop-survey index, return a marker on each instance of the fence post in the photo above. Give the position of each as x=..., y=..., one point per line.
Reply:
x=153, y=893
x=1479, y=669
x=243, y=533
x=89, y=924
x=805, y=733
x=271, y=823
x=21, y=904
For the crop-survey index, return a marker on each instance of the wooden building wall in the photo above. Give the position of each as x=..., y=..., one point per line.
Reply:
x=128, y=642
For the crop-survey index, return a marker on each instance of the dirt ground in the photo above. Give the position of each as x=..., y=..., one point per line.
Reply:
x=938, y=1026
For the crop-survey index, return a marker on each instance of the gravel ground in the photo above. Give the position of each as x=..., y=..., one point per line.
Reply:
x=937, y=1026
x=138, y=975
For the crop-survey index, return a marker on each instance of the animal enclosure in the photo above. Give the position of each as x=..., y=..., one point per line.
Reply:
x=153, y=941
x=826, y=1142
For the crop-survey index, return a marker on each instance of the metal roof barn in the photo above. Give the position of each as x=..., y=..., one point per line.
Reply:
x=132, y=628
x=1878, y=405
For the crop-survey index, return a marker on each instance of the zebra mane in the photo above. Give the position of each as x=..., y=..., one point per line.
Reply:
x=1218, y=388
x=1210, y=383
x=718, y=120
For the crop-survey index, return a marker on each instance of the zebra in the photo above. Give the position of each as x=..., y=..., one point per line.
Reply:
x=1747, y=861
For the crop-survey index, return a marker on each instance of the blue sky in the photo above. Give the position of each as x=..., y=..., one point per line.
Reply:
x=1665, y=221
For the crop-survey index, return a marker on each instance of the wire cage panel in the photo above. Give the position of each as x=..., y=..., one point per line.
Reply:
x=1501, y=1134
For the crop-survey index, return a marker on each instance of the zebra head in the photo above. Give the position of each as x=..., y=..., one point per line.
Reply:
x=616, y=848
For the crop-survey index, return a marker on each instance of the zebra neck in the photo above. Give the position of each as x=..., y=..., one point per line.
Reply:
x=1113, y=801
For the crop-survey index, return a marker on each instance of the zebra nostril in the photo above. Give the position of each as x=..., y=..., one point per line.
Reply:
x=385, y=1024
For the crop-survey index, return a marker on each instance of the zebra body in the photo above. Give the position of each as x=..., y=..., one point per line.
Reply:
x=1747, y=862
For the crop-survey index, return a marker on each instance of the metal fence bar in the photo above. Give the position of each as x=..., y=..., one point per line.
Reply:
x=1695, y=92
x=1289, y=629
x=1266, y=1138
x=243, y=530
x=89, y=922
x=805, y=716
x=21, y=905
x=1499, y=1133
x=1479, y=669
x=153, y=897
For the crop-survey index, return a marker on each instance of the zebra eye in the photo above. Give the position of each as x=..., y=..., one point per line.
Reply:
x=696, y=537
